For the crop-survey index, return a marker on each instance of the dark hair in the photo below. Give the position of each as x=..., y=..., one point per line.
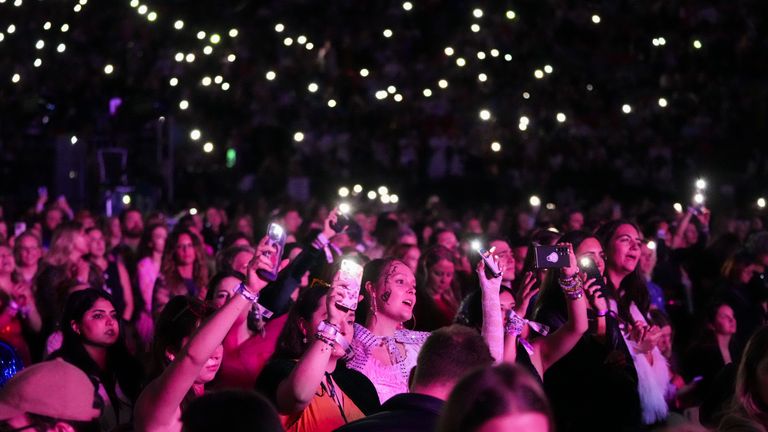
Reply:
x=231, y=410
x=747, y=396
x=178, y=320
x=122, y=367
x=145, y=244
x=169, y=269
x=226, y=256
x=493, y=392
x=734, y=265
x=290, y=344
x=232, y=237
x=218, y=278
x=470, y=311
x=658, y=318
x=372, y=273
x=436, y=233
x=124, y=215
x=449, y=353
x=387, y=231
x=17, y=245
x=545, y=237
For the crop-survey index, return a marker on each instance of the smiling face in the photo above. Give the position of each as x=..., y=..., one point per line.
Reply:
x=395, y=292
x=624, y=249
x=99, y=325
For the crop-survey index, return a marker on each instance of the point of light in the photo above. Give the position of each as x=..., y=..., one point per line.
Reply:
x=142, y=9
x=40, y=44
x=534, y=201
x=448, y=51
x=651, y=245
x=481, y=55
x=309, y=46
x=485, y=115
x=288, y=41
x=697, y=44
x=548, y=69
x=381, y=94
x=193, y=211
x=678, y=207
x=208, y=147
x=398, y=97
x=225, y=86
x=394, y=198
x=526, y=95
x=233, y=33
x=427, y=92
x=511, y=15
x=126, y=199
x=482, y=77
x=371, y=195
x=408, y=6
x=357, y=188
x=298, y=136
x=312, y=87
x=218, y=79
x=495, y=147
x=475, y=28
x=195, y=134
x=596, y=19
x=61, y=48
x=761, y=202
x=626, y=108
x=477, y=13
x=508, y=57
x=108, y=69
x=343, y=192
x=207, y=50
x=387, y=33
x=183, y=105
x=152, y=16
x=73, y=140
x=331, y=103
x=301, y=40
x=206, y=81
x=391, y=89
x=385, y=199
x=662, y=102
x=382, y=190
x=279, y=28
x=561, y=117
x=364, y=72
x=525, y=120
x=698, y=198
x=47, y=25
x=231, y=58
x=701, y=184
x=460, y=62
x=15, y=78
x=190, y=58
x=37, y=62
x=178, y=25
x=538, y=73
x=271, y=75
x=179, y=57
x=201, y=35
x=442, y=84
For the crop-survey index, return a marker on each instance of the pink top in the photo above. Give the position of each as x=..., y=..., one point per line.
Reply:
x=147, y=272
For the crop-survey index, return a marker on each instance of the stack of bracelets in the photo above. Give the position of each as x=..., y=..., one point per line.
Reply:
x=331, y=335
x=243, y=291
x=572, y=287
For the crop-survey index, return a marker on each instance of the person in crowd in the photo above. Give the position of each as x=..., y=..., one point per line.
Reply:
x=215, y=227
x=234, y=258
x=242, y=224
x=131, y=227
x=50, y=396
x=749, y=412
x=645, y=266
x=183, y=270
x=306, y=379
x=407, y=253
x=114, y=233
x=232, y=411
x=117, y=281
x=93, y=341
x=27, y=251
x=497, y=398
x=447, y=355
x=150, y=254
x=438, y=292
x=744, y=289
x=574, y=221
x=185, y=357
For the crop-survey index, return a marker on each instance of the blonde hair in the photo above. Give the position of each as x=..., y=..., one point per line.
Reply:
x=62, y=243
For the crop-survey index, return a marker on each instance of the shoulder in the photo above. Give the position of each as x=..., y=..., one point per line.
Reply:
x=274, y=372
x=358, y=387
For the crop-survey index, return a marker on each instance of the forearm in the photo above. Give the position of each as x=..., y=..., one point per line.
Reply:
x=510, y=348
x=277, y=295
x=297, y=391
x=211, y=333
x=677, y=240
x=559, y=343
x=493, y=324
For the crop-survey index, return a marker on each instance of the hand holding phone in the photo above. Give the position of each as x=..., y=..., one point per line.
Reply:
x=347, y=282
x=546, y=257
x=342, y=218
x=276, y=238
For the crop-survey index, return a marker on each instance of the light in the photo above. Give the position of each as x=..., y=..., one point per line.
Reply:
x=522, y=126
x=698, y=198
x=525, y=120
x=701, y=184
x=37, y=62
x=47, y=25
x=626, y=109
x=460, y=62
x=508, y=57
x=73, y=140
x=271, y=75
x=596, y=19
x=382, y=190
x=495, y=147
x=126, y=199
x=678, y=207
x=408, y=6
x=697, y=44
x=142, y=9
x=448, y=51
x=206, y=81
x=195, y=134
x=152, y=16
x=2, y=36
x=312, y=87
x=225, y=86
x=173, y=82
x=585, y=262
x=208, y=147
x=40, y=44
x=190, y=58
x=387, y=33
x=179, y=57
x=288, y=41
x=538, y=73
x=371, y=195
x=427, y=92
x=231, y=58
x=183, y=105
x=60, y=48
x=301, y=40
x=331, y=103
x=385, y=199
x=394, y=198
x=298, y=136
x=398, y=97
x=193, y=211
x=548, y=69
x=178, y=24
x=475, y=28
x=485, y=115
x=201, y=35
x=108, y=69
x=534, y=201
x=590, y=87
x=357, y=188
x=526, y=95
x=231, y=157
x=477, y=13
x=15, y=78
x=651, y=245
x=215, y=38
x=309, y=46
x=481, y=55
x=510, y=15
x=442, y=84
x=550, y=206
x=655, y=42
x=134, y=3
x=343, y=192
x=482, y=77
x=561, y=117
x=662, y=102
x=279, y=28
x=207, y=50
x=345, y=208
x=364, y=72
x=391, y=89
x=761, y=202
x=218, y=79
x=381, y=94
x=494, y=52
x=233, y=33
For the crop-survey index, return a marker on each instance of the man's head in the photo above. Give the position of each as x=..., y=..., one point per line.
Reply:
x=132, y=224
x=52, y=395
x=447, y=355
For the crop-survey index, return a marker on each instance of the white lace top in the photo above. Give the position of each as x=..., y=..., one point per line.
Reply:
x=389, y=380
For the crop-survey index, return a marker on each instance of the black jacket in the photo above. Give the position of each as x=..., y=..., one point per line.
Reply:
x=407, y=412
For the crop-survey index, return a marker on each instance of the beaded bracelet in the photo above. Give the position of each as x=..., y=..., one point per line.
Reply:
x=246, y=294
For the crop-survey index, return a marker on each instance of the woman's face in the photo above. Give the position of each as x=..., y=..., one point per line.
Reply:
x=6, y=260
x=81, y=243
x=159, y=235
x=624, y=249
x=441, y=275
x=224, y=291
x=185, y=250
x=241, y=260
x=448, y=240
x=507, y=301
x=725, y=322
x=590, y=248
x=96, y=245
x=647, y=260
x=208, y=373
x=99, y=325
x=506, y=259
x=529, y=422
x=346, y=326
x=396, y=292
x=411, y=258
x=29, y=252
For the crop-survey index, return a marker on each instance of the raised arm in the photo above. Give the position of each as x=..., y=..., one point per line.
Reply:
x=493, y=324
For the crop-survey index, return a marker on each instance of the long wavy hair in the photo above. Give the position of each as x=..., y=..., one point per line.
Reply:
x=292, y=342
x=169, y=267
x=747, y=396
x=145, y=244
x=62, y=243
x=429, y=259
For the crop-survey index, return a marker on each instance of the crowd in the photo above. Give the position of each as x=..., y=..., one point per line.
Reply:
x=152, y=322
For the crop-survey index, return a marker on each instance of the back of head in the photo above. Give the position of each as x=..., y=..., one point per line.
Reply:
x=493, y=393
x=750, y=379
x=448, y=354
x=232, y=411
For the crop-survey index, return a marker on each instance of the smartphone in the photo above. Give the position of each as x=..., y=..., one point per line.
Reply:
x=545, y=257
x=491, y=269
x=343, y=220
x=276, y=238
x=589, y=267
x=347, y=281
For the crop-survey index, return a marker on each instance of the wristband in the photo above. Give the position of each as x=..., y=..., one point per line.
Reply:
x=246, y=294
x=602, y=314
x=330, y=333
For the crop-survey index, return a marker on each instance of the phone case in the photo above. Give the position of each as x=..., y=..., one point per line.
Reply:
x=550, y=257
x=347, y=281
x=490, y=266
x=277, y=237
